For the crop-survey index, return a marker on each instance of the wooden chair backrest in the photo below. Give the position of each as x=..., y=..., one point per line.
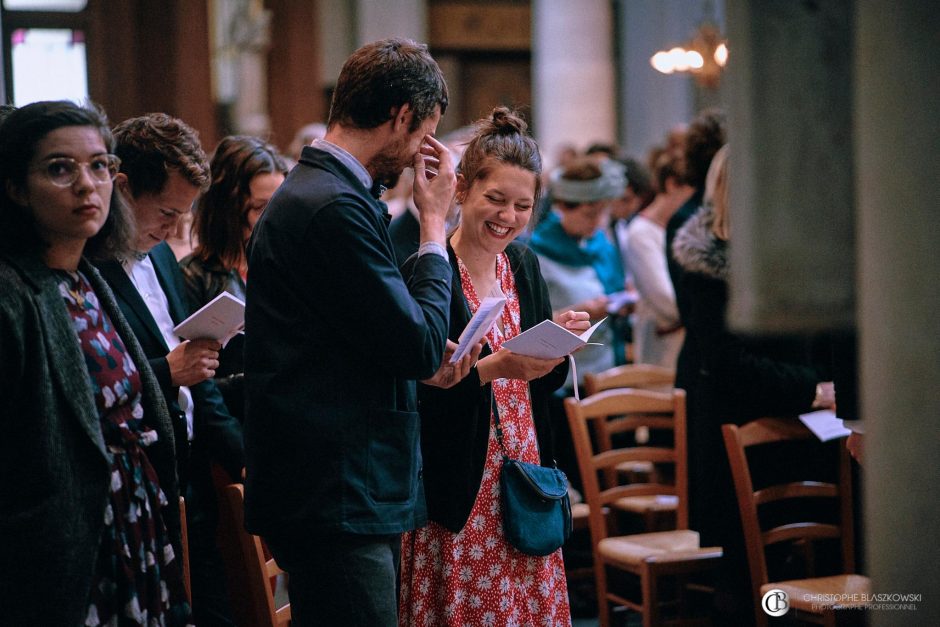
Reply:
x=253, y=604
x=643, y=376
x=627, y=410
x=770, y=430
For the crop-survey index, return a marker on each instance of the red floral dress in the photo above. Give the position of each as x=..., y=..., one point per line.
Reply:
x=476, y=577
x=138, y=578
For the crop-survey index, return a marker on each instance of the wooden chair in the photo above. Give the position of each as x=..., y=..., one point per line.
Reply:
x=658, y=511
x=252, y=588
x=643, y=376
x=647, y=557
x=801, y=592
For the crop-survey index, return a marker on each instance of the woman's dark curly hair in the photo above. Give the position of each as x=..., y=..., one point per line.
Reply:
x=21, y=131
x=221, y=214
x=706, y=135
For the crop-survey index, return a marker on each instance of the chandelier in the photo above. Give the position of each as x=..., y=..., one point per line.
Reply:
x=704, y=56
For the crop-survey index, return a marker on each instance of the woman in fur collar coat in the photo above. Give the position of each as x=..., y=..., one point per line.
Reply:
x=728, y=378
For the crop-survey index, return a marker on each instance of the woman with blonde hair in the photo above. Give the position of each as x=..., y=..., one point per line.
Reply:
x=729, y=378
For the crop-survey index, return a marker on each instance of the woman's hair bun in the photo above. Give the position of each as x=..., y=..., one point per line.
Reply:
x=504, y=121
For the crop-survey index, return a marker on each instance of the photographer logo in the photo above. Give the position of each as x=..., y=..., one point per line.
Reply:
x=775, y=603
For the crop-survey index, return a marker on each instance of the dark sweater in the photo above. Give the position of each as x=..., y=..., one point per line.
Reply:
x=455, y=423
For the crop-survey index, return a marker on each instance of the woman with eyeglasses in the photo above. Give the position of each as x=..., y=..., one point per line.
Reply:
x=88, y=503
x=246, y=171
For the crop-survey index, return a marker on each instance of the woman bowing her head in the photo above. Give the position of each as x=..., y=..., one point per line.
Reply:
x=88, y=504
x=460, y=569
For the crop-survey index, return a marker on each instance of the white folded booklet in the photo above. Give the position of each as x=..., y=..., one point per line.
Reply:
x=221, y=319
x=824, y=424
x=547, y=340
x=479, y=325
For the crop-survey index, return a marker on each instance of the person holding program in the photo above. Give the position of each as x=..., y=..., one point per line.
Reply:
x=246, y=171
x=460, y=569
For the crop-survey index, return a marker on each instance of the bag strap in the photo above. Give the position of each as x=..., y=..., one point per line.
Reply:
x=494, y=410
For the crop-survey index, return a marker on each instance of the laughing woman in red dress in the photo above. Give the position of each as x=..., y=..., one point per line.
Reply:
x=460, y=569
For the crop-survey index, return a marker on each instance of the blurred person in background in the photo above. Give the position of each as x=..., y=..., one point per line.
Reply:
x=729, y=378
x=245, y=171
x=657, y=330
x=581, y=267
x=704, y=137
x=578, y=261
x=304, y=137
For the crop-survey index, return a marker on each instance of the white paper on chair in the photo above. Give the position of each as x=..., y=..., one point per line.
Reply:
x=480, y=324
x=548, y=340
x=825, y=425
x=221, y=319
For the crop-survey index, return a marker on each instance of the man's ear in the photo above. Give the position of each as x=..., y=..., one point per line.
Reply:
x=17, y=194
x=401, y=118
x=122, y=185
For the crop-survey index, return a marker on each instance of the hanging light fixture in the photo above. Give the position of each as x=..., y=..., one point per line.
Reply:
x=704, y=56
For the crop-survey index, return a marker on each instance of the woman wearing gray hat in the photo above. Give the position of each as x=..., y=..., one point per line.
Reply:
x=580, y=265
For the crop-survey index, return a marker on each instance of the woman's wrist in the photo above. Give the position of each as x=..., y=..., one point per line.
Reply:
x=484, y=370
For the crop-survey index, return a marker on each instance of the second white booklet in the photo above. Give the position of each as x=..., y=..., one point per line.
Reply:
x=548, y=340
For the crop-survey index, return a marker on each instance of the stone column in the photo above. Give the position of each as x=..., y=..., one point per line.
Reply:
x=789, y=88
x=573, y=74
x=897, y=138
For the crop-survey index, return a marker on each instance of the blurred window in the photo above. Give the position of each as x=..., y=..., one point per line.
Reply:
x=48, y=64
x=70, y=6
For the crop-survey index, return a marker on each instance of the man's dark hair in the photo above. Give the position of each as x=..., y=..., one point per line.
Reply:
x=383, y=76
x=151, y=145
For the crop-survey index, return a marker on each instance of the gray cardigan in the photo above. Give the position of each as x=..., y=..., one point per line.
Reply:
x=53, y=462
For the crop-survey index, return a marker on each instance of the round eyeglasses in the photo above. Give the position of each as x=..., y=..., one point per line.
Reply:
x=64, y=171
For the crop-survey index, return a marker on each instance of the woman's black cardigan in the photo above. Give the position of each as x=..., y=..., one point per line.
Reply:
x=455, y=422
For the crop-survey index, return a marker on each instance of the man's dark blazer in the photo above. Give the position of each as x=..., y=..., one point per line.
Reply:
x=334, y=340
x=216, y=434
x=405, y=232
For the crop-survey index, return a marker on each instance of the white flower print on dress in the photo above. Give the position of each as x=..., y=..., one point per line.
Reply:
x=109, y=398
x=475, y=577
